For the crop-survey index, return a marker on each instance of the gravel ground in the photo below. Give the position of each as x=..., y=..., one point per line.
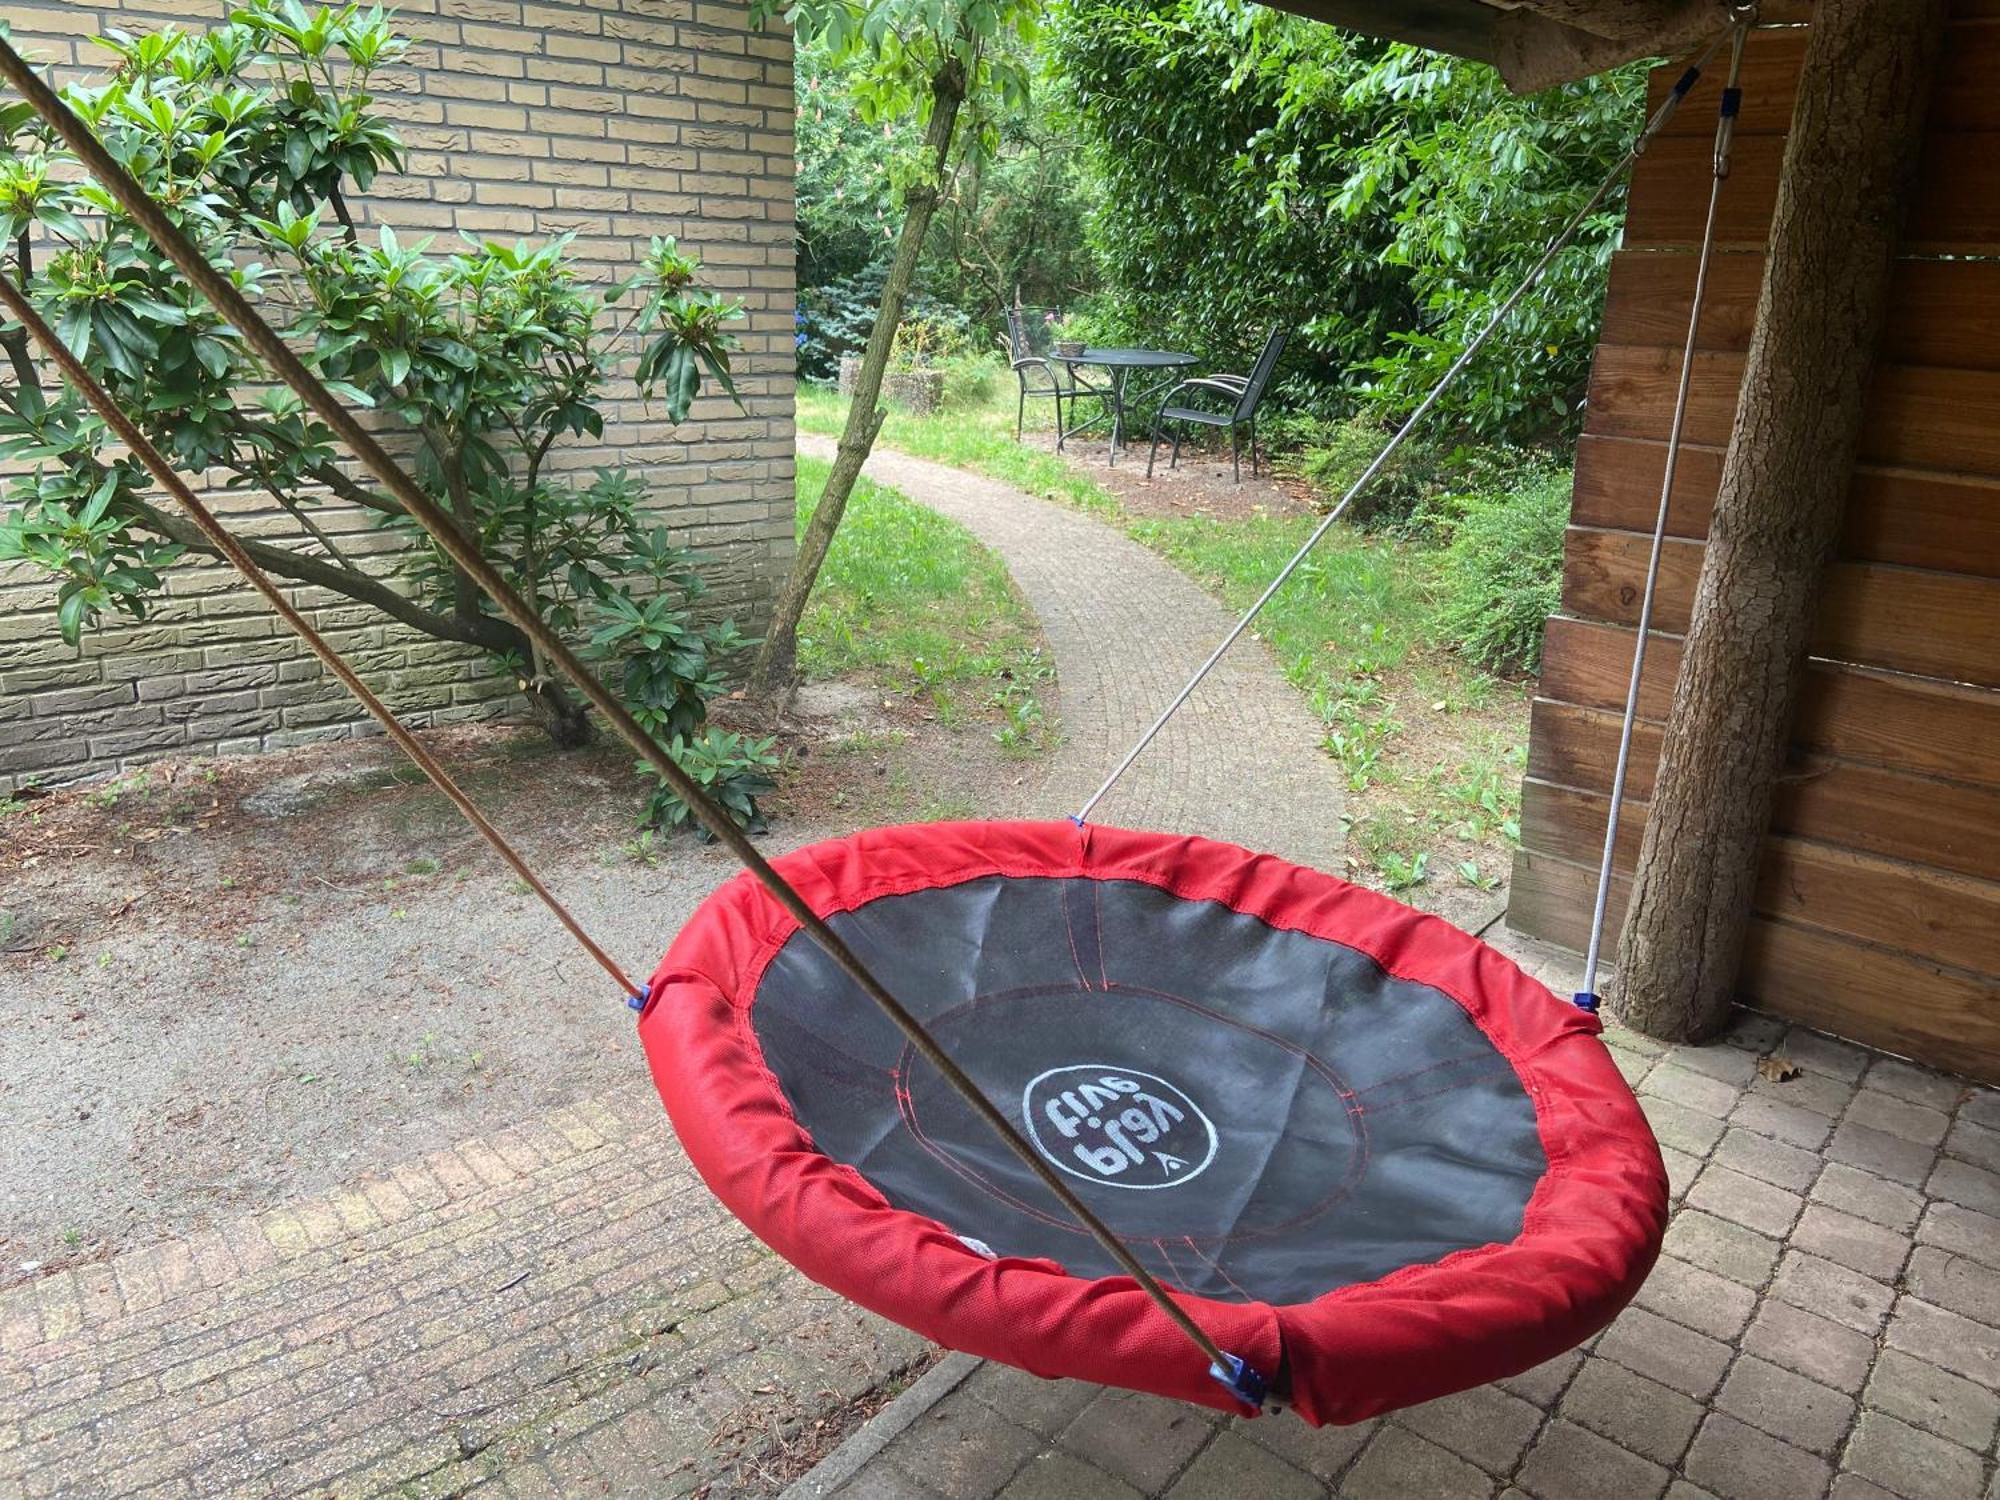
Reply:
x=1201, y=486
x=246, y=980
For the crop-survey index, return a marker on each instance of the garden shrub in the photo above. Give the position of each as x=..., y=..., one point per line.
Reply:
x=927, y=340
x=490, y=363
x=836, y=317
x=1252, y=166
x=1330, y=456
x=1502, y=573
x=972, y=379
x=1422, y=491
x=1096, y=321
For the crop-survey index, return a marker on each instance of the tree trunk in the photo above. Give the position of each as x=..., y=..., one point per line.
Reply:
x=562, y=718
x=1849, y=164
x=18, y=346
x=466, y=600
x=777, y=659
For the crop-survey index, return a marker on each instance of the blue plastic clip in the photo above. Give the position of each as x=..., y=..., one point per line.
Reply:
x=1584, y=1001
x=1076, y=818
x=636, y=1000
x=1686, y=81
x=1242, y=1382
x=1732, y=101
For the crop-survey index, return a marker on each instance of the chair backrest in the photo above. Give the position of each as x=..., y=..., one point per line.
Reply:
x=1261, y=372
x=1030, y=332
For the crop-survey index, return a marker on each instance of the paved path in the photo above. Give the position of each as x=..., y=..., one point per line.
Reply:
x=560, y=1309
x=1825, y=1323
x=1241, y=761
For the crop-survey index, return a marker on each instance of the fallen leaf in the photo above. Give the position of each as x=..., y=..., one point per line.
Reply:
x=1778, y=1068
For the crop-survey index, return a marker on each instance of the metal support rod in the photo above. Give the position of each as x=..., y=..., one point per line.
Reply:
x=1555, y=247
x=261, y=337
x=1725, y=134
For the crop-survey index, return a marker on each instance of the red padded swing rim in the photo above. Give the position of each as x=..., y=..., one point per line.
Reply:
x=1589, y=1235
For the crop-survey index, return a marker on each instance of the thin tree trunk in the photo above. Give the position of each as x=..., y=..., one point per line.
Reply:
x=19, y=347
x=562, y=718
x=1849, y=164
x=776, y=666
x=466, y=600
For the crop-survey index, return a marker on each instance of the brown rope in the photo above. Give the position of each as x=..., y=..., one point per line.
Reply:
x=260, y=336
x=156, y=464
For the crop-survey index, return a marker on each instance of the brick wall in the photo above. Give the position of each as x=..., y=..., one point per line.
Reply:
x=616, y=120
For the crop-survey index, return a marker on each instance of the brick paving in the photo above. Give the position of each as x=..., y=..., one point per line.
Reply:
x=1127, y=630
x=558, y=1309
x=1825, y=1322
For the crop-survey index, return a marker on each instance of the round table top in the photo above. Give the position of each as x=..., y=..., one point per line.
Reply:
x=1157, y=359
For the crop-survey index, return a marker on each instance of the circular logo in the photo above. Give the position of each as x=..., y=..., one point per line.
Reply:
x=1117, y=1126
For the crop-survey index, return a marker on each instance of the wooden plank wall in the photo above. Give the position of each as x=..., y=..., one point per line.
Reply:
x=1878, y=909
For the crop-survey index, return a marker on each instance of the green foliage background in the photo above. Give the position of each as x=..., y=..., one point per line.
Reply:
x=1188, y=173
x=1255, y=167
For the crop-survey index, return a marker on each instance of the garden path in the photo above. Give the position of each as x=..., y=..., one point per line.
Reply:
x=1241, y=761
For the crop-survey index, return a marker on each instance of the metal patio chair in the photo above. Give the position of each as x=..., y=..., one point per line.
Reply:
x=1244, y=394
x=1030, y=346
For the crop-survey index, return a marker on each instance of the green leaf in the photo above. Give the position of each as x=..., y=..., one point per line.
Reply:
x=353, y=395
x=62, y=221
x=100, y=500
x=75, y=329
x=213, y=355
x=70, y=615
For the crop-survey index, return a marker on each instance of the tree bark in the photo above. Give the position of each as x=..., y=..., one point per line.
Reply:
x=19, y=347
x=488, y=632
x=562, y=718
x=466, y=601
x=776, y=666
x=1850, y=161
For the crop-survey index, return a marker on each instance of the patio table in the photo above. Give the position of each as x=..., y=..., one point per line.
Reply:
x=1121, y=363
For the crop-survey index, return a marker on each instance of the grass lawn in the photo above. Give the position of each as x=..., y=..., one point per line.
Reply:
x=1430, y=746
x=977, y=437
x=912, y=601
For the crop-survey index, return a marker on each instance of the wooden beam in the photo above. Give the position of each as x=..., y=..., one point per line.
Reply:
x=1888, y=719
x=1540, y=43
x=1629, y=20
x=1552, y=43
x=1946, y=1017
x=1850, y=167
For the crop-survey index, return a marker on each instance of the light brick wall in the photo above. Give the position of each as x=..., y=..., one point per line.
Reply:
x=617, y=121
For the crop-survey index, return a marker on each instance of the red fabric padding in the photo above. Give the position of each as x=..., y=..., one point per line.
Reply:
x=1589, y=1236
